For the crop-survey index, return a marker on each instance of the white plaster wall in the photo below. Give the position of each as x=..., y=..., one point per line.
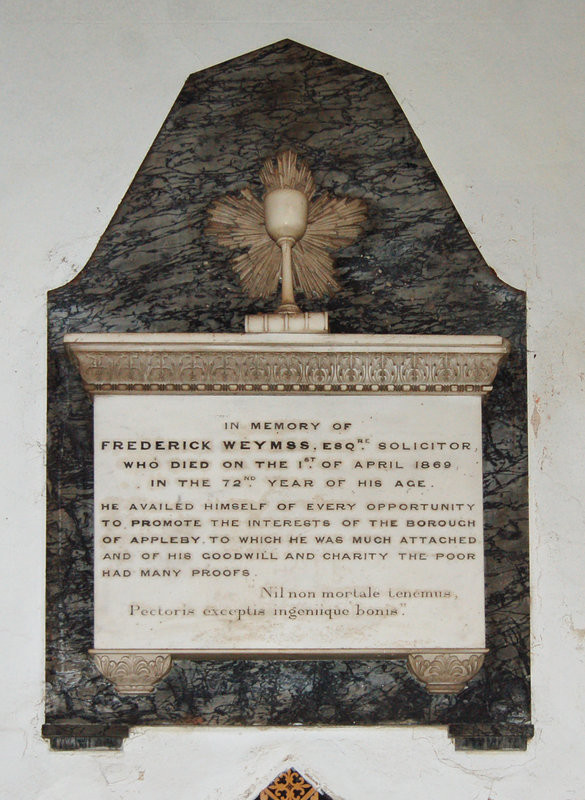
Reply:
x=495, y=90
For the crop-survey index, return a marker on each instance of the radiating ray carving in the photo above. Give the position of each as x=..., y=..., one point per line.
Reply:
x=288, y=236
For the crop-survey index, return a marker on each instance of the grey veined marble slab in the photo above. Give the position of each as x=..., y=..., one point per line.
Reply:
x=415, y=270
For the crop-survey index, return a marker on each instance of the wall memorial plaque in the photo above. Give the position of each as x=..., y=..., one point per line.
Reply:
x=316, y=527
x=288, y=505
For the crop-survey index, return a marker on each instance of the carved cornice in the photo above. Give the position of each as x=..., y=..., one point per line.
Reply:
x=445, y=672
x=132, y=672
x=337, y=364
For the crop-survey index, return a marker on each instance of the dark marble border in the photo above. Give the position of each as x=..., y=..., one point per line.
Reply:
x=415, y=270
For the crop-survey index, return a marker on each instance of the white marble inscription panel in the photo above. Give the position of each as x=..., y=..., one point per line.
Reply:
x=296, y=523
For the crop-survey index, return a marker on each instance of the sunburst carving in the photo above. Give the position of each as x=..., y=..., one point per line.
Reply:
x=288, y=236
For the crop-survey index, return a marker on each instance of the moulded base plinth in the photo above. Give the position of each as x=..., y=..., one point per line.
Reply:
x=287, y=322
x=85, y=735
x=491, y=735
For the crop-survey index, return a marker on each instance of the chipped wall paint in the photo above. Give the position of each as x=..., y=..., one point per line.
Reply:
x=492, y=91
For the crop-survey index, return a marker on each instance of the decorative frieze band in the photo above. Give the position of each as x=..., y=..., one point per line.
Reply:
x=260, y=365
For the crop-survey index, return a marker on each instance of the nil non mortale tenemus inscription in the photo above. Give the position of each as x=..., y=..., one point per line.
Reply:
x=232, y=524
